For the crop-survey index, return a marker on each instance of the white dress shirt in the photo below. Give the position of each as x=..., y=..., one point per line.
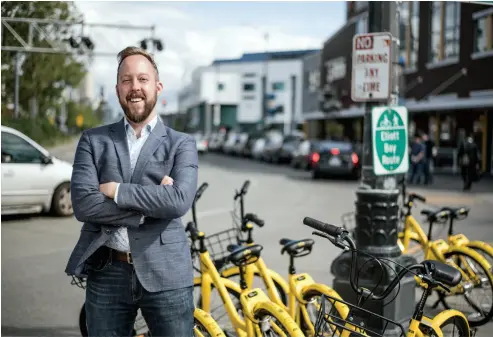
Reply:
x=119, y=240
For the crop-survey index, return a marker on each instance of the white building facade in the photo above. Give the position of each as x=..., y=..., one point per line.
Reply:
x=230, y=92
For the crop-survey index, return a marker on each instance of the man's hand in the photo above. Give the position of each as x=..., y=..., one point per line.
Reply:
x=108, y=189
x=167, y=181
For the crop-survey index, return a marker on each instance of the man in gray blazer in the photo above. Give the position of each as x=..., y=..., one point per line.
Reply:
x=132, y=181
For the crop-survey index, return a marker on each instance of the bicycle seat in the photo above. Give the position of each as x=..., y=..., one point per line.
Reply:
x=443, y=273
x=434, y=215
x=458, y=213
x=297, y=248
x=245, y=255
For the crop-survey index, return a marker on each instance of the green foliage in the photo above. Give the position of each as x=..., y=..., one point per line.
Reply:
x=39, y=129
x=90, y=117
x=45, y=75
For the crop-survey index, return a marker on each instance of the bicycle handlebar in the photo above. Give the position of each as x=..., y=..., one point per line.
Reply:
x=337, y=234
x=244, y=189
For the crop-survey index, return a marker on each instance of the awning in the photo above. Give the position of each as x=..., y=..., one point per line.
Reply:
x=434, y=104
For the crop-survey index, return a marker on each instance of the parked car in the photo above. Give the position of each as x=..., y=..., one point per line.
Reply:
x=216, y=141
x=258, y=148
x=335, y=158
x=230, y=142
x=288, y=149
x=273, y=144
x=202, y=143
x=33, y=180
x=302, y=158
x=240, y=144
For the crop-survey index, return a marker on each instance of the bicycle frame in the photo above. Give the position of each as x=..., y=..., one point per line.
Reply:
x=436, y=250
x=250, y=299
x=297, y=284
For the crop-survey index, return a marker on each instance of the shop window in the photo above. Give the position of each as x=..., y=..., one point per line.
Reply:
x=483, y=32
x=445, y=30
x=220, y=86
x=410, y=38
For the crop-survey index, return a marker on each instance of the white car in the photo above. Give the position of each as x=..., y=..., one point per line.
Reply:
x=202, y=143
x=33, y=181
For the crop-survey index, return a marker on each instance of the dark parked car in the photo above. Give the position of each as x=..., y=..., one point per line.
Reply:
x=302, y=158
x=336, y=158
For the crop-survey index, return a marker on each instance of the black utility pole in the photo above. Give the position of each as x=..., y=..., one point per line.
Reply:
x=377, y=210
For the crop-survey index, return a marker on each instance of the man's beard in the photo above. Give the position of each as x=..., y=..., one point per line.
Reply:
x=149, y=105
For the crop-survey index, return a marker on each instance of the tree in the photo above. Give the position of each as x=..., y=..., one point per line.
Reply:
x=45, y=76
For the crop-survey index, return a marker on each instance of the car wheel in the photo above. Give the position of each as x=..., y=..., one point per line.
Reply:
x=61, y=204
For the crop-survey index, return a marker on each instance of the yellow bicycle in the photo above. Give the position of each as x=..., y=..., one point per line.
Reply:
x=475, y=269
x=301, y=295
x=432, y=274
x=258, y=311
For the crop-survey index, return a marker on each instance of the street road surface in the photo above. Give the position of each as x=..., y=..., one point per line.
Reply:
x=38, y=300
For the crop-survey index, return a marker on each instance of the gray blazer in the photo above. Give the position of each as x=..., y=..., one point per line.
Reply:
x=160, y=249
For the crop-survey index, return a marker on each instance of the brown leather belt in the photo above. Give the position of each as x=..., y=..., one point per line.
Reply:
x=121, y=256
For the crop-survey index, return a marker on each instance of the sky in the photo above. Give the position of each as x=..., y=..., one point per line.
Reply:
x=196, y=33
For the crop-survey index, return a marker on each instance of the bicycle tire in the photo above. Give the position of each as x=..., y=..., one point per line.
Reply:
x=444, y=319
x=204, y=321
x=265, y=310
x=311, y=292
x=83, y=324
x=484, y=268
x=486, y=254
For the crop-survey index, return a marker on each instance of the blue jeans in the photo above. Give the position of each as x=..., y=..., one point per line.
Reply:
x=417, y=170
x=114, y=294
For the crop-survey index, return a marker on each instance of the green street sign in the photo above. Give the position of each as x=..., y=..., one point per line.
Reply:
x=390, y=140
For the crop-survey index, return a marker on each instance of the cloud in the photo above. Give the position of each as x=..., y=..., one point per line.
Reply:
x=190, y=40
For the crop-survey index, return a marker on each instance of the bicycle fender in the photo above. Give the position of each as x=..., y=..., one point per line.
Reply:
x=441, y=318
x=281, y=315
x=208, y=322
x=481, y=245
x=468, y=251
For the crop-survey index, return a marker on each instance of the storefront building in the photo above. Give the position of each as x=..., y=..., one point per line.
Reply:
x=447, y=48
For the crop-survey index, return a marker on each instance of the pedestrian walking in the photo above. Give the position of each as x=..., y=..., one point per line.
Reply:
x=430, y=154
x=132, y=181
x=417, y=160
x=469, y=160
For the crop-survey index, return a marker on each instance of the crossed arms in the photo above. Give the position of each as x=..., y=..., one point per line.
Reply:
x=167, y=201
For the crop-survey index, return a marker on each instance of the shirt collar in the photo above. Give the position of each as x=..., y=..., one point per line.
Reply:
x=147, y=129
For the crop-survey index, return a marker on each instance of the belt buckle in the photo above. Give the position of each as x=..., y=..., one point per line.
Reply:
x=129, y=258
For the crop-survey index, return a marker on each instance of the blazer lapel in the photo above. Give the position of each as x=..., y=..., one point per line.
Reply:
x=156, y=137
x=119, y=136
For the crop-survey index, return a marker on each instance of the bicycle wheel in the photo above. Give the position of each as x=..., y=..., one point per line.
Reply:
x=205, y=325
x=313, y=299
x=275, y=321
x=451, y=325
x=482, y=279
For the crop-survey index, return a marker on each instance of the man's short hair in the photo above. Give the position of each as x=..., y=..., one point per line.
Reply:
x=129, y=51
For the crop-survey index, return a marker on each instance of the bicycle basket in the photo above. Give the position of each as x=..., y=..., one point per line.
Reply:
x=217, y=245
x=330, y=323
